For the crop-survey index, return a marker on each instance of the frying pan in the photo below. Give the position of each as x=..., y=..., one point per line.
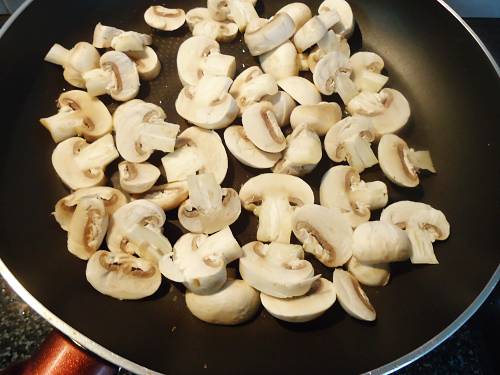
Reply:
x=453, y=87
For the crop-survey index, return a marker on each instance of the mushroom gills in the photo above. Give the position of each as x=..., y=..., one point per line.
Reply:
x=137, y=178
x=165, y=19
x=167, y=196
x=262, y=128
x=351, y=297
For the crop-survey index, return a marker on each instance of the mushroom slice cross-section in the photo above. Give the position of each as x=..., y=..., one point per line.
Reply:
x=268, y=35
x=201, y=24
x=262, y=128
x=369, y=274
x=137, y=178
x=351, y=297
x=147, y=63
x=330, y=42
x=300, y=89
x=165, y=19
x=313, y=30
x=282, y=105
x=167, y=196
x=299, y=12
x=104, y=37
x=366, y=68
x=345, y=26
x=281, y=62
x=318, y=117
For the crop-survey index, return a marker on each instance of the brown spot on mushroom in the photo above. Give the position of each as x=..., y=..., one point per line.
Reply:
x=227, y=196
x=295, y=202
x=258, y=248
x=302, y=225
x=89, y=231
x=131, y=171
x=272, y=126
x=118, y=77
x=131, y=269
x=295, y=264
x=409, y=172
x=432, y=228
x=71, y=103
x=361, y=294
x=212, y=261
x=190, y=212
x=196, y=283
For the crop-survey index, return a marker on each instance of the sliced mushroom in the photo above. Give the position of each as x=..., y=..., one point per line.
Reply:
x=251, y=86
x=389, y=110
x=281, y=62
x=208, y=104
x=310, y=306
x=299, y=12
x=167, y=196
x=323, y=232
x=122, y=276
x=300, y=89
x=218, y=9
x=366, y=68
x=201, y=24
x=330, y=42
x=342, y=188
x=378, y=242
x=245, y=151
x=81, y=165
x=262, y=128
x=76, y=61
x=199, y=261
x=130, y=41
x=302, y=61
x=282, y=105
x=165, y=19
x=273, y=198
x=87, y=227
x=242, y=12
x=369, y=274
x=78, y=114
x=350, y=140
x=351, y=297
x=318, y=117
x=137, y=178
x=235, y=303
x=269, y=35
x=104, y=36
x=313, y=30
x=140, y=130
x=400, y=163
x=302, y=154
x=117, y=77
x=345, y=26
x=147, y=63
x=209, y=208
x=197, y=151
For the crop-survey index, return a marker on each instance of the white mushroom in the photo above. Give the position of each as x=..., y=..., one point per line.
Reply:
x=78, y=114
x=147, y=63
x=76, y=61
x=350, y=140
x=199, y=56
x=270, y=34
x=282, y=105
x=137, y=178
x=302, y=61
x=389, y=110
x=87, y=227
x=366, y=68
x=273, y=198
x=378, y=242
x=341, y=187
x=400, y=163
x=201, y=24
x=351, y=297
x=300, y=89
x=122, y=276
x=81, y=165
x=197, y=151
x=299, y=12
x=209, y=207
x=323, y=232
x=251, y=86
x=281, y=62
x=314, y=29
x=277, y=269
x=369, y=274
x=199, y=261
x=318, y=117
x=242, y=12
x=310, y=306
x=165, y=19
x=167, y=196
x=302, y=154
x=330, y=42
x=245, y=151
x=104, y=36
x=345, y=26
x=235, y=303
x=262, y=128
x=140, y=130
x=208, y=104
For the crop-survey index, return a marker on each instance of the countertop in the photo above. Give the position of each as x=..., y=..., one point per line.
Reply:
x=473, y=349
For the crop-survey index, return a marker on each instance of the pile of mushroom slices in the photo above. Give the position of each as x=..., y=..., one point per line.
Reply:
x=285, y=126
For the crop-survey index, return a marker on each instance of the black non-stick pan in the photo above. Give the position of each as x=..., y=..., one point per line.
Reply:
x=454, y=91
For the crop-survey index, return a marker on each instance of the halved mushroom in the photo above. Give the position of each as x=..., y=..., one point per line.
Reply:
x=302, y=154
x=65, y=207
x=299, y=12
x=310, y=306
x=80, y=164
x=199, y=56
x=345, y=26
x=104, y=36
x=218, y=9
x=273, y=198
x=313, y=30
x=167, y=196
x=76, y=61
x=350, y=140
x=251, y=86
x=235, y=303
x=262, y=128
x=366, y=68
x=245, y=151
x=282, y=105
x=147, y=63
x=389, y=110
x=87, y=227
x=140, y=130
x=209, y=207
x=400, y=163
x=341, y=187
x=281, y=62
x=197, y=151
x=269, y=35
x=199, y=261
x=201, y=24
x=242, y=12
x=137, y=177
x=423, y=223
x=318, y=117
x=117, y=77
x=208, y=104
x=330, y=42
x=122, y=276
x=378, y=242
x=369, y=274
x=165, y=19
x=78, y=114
x=323, y=232
x=351, y=297
x=300, y=89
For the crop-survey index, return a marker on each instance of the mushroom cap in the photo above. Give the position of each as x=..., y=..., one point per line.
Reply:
x=125, y=85
x=330, y=42
x=130, y=41
x=262, y=128
x=196, y=15
x=395, y=163
x=366, y=71
x=369, y=274
x=103, y=35
x=299, y=12
x=122, y=276
x=190, y=56
x=345, y=26
x=80, y=59
x=327, y=69
x=220, y=31
x=300, y=89
x=283, y=105
x=137, y=178
x=165, y=19
x=325, y=233
x=235, y=303
x=167, y=196
x=351, y=297
x=147, y=63
x=270, y=34
x=281, y=62
x=310, y=306
x=318, y=117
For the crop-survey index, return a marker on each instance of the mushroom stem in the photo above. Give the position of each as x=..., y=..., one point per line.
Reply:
x=275, y=220
x=57, y=55
x=97, y=154
x=371, y=81
x=422, y=251
x=345, y=87
x=369, y=194
x=159, y=136
x=204, y=192
x=224, y=243
x=217, y=64
x=151, y=244
x=421, y=160
x=63, y=125
x=359, y=153
x=184, y=162
x=98, y=81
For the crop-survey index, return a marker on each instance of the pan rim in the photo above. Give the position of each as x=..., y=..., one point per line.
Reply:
x=90, y=345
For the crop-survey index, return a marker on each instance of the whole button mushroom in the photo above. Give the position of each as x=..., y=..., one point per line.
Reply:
x=164, y=19
x=314, y=29
x=269, y=34
x=366, y=68
x=345, y=26
x=318, y=117
x=262, y=128
x=369, y=274
x=167, y=196
x=351, y=297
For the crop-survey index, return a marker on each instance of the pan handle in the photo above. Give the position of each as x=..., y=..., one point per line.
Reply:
x=58, y=355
